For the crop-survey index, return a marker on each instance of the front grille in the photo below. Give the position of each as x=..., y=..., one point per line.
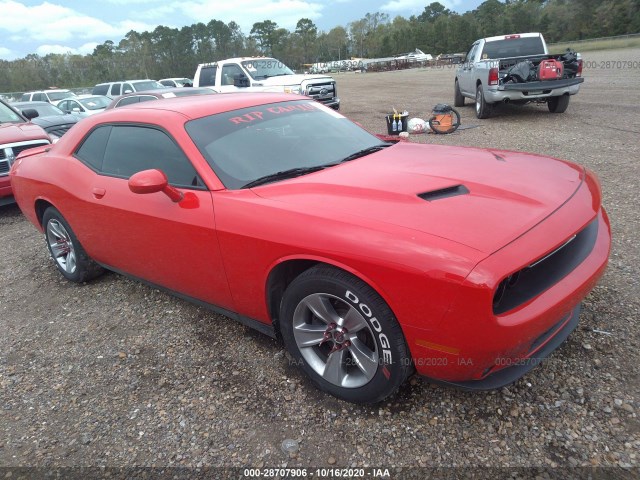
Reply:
x=59, y=130
x=9, y=152
x=545, y=272
x=325, y=92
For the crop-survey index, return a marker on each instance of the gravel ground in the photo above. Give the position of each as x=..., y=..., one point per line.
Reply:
x=114, y=373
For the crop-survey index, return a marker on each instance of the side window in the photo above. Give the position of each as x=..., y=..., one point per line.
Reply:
x=100, y=90
x=64, y=106
x=128, y=101
x=146, y=98
x=208, y=76
x=40, y=97
x=127, y=88
x=471, y=53
x=228, y=72
x=168, y=83
x=132, y=149
x=91, y=151
x=25, y=97
x=115, y=89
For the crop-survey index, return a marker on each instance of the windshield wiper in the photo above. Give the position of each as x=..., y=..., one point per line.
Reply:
x=365, y=151
x=291, y=173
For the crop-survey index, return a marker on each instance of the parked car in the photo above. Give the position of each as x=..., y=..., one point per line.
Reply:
x=263, y=74
x=84, y=105
x=114, y=89
x=515, y=68
x=368, y=259
x=176, y=82
x=53, y=120
x=16, y=135
x=133, y=98
x=50, y=96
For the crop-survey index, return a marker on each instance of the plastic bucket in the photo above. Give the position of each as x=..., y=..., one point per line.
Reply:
x=401, y=120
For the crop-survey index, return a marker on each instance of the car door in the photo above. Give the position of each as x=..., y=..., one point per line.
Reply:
x=173, y=245
x=227, y=75
x=467, y=79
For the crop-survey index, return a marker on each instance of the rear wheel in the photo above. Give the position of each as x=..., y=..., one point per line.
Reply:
x=458, y=100
x=558, y=104
x=343, y=336
x=483, y=109
x=65, y=249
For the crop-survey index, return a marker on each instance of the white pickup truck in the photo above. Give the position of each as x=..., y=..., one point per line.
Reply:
x=261, y=74
x=508, y=68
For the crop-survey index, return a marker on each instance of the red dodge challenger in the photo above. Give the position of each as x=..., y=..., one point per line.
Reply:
x=369, y=260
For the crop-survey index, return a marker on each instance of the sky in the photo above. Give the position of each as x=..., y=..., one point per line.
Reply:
x=77, y=26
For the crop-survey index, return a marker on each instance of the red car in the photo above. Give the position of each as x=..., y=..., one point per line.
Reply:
x=16, y=134
x=369, y=260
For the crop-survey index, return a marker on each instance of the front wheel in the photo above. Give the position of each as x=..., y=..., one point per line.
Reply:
x=483, y=109
x=65, y=249
x=343, y=336
x=558, y=104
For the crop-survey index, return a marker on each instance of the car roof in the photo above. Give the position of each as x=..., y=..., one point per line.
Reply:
x=34, y=103
x=197, y=106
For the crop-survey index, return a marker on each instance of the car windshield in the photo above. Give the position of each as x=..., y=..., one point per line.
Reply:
x=8, y=115
x=513, y=47
x=43, y=109
x=95, y=103
x=55, y=96
x=184, y=81
x=262, y=68
x=147, y=85
x=244, y=145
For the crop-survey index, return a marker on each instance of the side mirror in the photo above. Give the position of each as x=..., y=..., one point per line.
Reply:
x=76, y=110
x=240, y=80
x=127, y=91
x=30, y=113
x=153, y=181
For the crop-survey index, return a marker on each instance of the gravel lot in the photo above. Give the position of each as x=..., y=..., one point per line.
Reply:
x=114, y=373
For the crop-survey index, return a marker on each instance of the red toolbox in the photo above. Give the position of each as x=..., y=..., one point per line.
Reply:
x=550, y=70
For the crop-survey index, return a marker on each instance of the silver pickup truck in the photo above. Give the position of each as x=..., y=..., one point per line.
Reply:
x=508, y=68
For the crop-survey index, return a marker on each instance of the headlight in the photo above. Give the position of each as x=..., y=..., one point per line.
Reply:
x=293, y=89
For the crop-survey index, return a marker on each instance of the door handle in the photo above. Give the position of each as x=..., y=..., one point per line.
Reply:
x=98, y=192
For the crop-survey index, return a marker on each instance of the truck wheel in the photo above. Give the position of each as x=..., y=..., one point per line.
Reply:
x=558, y=104
x=483, y=109
x=344, y=336
x=458, y=98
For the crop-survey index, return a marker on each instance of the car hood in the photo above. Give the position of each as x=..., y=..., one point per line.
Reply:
x=20, y=132
x=483, y=199
x=55, y=120
x=292, y=80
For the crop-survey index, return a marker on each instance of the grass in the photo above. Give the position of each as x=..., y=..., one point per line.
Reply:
x=590, y=46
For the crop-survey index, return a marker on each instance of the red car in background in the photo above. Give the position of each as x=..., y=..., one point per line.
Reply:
x=16, y=134
x=369, y=260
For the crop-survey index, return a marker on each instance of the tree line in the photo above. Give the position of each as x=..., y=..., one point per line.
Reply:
x=172, y=52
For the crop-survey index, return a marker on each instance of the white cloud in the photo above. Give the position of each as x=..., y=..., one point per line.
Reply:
x=51, y=22
x=245, y=13
x=414, y=5
x=43, y=50
x=5, y=52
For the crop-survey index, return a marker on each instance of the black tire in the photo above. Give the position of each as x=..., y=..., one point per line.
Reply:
x=458, y=98
x=371, y=361
x=65, y=249
x=558, y=104
x=483, y=109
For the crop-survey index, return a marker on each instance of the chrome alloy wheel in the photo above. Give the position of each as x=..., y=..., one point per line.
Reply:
x=335, y=340
x=61, y=246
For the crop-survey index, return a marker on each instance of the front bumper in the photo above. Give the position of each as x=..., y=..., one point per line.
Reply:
x=473, y=344
x=520, y=367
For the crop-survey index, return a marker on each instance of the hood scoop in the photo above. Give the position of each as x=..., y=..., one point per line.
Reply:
x=444, y=193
